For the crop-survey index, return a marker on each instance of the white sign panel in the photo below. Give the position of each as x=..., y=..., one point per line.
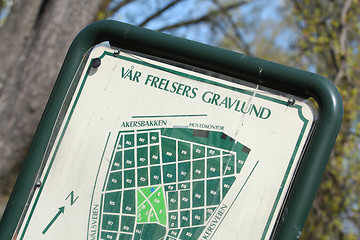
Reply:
x=147, y=150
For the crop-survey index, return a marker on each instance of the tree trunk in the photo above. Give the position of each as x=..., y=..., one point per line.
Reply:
x=34, y=42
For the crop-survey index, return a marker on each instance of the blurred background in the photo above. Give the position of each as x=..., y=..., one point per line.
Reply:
x=321, y=36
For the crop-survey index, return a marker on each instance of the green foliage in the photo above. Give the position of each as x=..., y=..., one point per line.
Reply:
x=330, y=40
x=327, y=42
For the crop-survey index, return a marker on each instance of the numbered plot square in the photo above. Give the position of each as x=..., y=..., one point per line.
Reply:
x=198, y=151
x=191, y=233
x=173, y=202
x=110, y=222
x=171, y=187
x=184, y=171
x=142, y=177
x=209, y=212
x=155, y=155
x=149, y=231
x=114, y=181
x=120, y=144
x=174, y=233
x=142, y=156
x=213, y=192
x=173, y=219
x=108, y=235
x=128, y=206
x=184, y=185
x=228, y=164
x=154, y=137
x=198, y=194
x=142, y=139
x=127, y=224
x=169, y=173
x=117, y=162
x=211, y=152
x=129, y=178
x=112, y=202
x=184, y=199
x=198, y=217
x=185, y=218
x=155, y=175
x=198, y=169
x=129, y=141
x=139, y=231
x=226, y=185
x=168, y=150
x=213, y=167
x=241, y=158
x=183, y=151
x=129, y=158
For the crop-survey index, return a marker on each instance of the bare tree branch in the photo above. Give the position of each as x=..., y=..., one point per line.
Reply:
x=343, y=43
x=158, y=13
x=240, y=41
x=207, y=17
x=104, y=10
x=117, y=7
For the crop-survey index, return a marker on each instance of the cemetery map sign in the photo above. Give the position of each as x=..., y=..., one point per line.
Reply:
x=167, y=183
x=148, y=150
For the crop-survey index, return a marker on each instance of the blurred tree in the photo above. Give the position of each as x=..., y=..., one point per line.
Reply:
x=330, y=40
x=324, y=37
x=2, y=10
x=34, y=40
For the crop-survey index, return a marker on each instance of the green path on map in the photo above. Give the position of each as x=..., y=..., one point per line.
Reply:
x=166, y=183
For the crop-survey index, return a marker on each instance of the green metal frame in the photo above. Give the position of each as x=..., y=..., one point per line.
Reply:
x=268, y=74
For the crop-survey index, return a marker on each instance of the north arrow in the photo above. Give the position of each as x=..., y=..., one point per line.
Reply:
x=61, y=210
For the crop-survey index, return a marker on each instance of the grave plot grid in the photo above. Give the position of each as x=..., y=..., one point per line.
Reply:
x=165, y=187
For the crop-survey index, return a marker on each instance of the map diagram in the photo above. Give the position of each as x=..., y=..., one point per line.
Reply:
x=166, y=183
